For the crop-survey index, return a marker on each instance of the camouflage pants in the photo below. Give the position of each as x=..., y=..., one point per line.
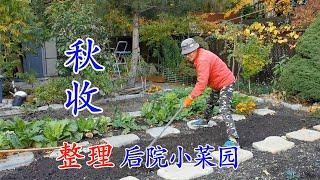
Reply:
x=222, y=99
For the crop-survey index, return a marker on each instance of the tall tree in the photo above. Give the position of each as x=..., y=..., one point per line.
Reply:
x=150, y=9
x=17, y=26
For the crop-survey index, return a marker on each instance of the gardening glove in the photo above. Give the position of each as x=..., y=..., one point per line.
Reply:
x=187, y=102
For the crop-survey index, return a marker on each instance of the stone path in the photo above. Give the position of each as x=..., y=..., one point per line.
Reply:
x=155, y=132
x=187, y=171
x=317, y=127
x=304, y=135
x=242, y=155
x=53, y=106
x=263, y=112
x=129, y=178
x=272, y=144
x=122, y=140
x=17, y=160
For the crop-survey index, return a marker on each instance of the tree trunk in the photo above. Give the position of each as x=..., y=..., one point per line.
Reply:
x=249, y=86
x=135, y=50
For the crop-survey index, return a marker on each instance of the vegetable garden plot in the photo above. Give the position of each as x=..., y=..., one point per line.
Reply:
x=254, y=128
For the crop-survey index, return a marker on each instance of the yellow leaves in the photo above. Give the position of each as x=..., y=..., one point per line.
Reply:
x=272, y=33
x=286, y=27
x=237, y=7
x=285, y=40
x=276, y=32
x=257, y=26
x=292, y=46
x=271, y=28
x=3, y=28
x=314, y=108
x=246, y=32
x=246, y=107
x=294, y=35
x=153, y=89
x=261, y=37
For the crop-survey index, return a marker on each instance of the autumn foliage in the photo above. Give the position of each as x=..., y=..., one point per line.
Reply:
x=277, y=6
x=304, y=15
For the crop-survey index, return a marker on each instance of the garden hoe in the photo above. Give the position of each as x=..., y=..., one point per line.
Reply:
x=167, y=125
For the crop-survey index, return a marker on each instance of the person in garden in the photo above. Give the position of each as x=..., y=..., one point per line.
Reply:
x=214, y=73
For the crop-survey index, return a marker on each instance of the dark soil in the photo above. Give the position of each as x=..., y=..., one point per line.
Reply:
x=302, y=159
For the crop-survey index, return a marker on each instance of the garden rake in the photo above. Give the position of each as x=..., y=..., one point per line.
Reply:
x=167, y=125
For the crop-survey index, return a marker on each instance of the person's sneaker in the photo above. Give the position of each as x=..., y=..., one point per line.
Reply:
x=231, y=142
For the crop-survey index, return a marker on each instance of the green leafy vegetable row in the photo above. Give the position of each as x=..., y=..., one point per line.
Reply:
x=164, y=104
x=48, y=132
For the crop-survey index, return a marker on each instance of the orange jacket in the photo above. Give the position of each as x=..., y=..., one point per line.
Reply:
x=211, y=71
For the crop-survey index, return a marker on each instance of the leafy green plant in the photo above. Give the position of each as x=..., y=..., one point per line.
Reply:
x=53, y=131
x=44, y=92
x=4, y=142
x=165, y=104
x=47, y=132
x=87, y=124
x=103, y=123
x=243, y=104
x=252, y=55
x=124, y=121
x=99, y=79
x=29, y=78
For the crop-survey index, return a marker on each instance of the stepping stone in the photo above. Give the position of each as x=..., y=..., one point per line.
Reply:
x=122, y=140
x=129, y=178
x=257, y=99
x=210, y=124
x=155, y=132
x=272, y=101
x=238, y=117
x=17, y=160
x=11, y=112
x=124, y=97
x=304, y=135
x=135, y=113
x=187, y=171
x=6, y=104
x=264, y=112
x=56, y=153
x=243, y=155
x=53, y=106
x=273, y=144
x=317, y=127
x=295, y=107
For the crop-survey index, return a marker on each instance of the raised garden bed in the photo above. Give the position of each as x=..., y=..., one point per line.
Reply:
x=302, y=159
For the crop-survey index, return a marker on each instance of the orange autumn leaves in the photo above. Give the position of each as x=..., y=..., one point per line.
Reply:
x=277, y=6
x=246, y=107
